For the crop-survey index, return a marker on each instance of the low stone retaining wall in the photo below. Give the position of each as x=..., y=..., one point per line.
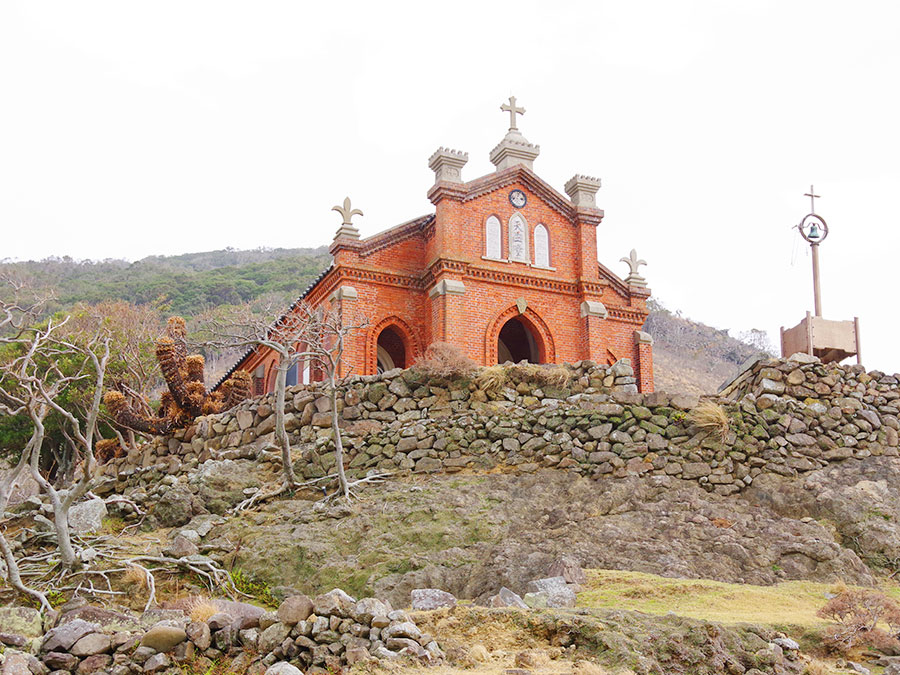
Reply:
x=321, y=636
x=784, y=416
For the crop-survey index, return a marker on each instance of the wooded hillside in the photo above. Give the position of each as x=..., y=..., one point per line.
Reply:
x=689, y=356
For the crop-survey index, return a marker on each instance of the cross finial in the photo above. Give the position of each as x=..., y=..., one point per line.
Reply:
x=812, y=199
x=634, y=277
x=513, y=111
x=346, y=212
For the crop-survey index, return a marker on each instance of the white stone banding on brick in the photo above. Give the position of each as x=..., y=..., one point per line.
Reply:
x=642, y=338
x=447, y=287
x=593, y=308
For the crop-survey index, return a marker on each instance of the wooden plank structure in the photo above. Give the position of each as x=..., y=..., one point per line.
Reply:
x=831, y=341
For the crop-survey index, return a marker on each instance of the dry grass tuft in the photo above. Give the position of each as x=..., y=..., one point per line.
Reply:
x=589, y=668
x=839, y=588
x=443, y=360
x=816, y=667
x=134, y=576
x=491, y=380
x=200, y=608
x=711, y=418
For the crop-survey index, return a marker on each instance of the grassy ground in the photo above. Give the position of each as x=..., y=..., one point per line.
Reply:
x=792, y=603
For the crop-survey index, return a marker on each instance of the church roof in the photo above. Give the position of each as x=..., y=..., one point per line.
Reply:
x=290, y=309
x=368, y=245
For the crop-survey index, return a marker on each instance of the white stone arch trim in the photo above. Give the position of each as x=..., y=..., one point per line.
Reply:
x=519, y=245
x=542, y=246
x=493, y=238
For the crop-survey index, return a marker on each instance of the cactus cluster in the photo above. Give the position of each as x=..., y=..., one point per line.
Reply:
x=187, y=396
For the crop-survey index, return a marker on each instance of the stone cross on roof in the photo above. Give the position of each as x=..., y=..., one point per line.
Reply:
x=513, y=111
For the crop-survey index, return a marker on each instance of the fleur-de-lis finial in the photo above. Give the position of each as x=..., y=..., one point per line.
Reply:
x=346, y=212
x=634, y=277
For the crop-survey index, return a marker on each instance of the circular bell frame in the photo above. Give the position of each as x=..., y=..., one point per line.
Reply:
x=813, y=219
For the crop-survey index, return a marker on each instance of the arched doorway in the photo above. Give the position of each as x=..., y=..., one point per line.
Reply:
x=391, y=350
x=517, y=342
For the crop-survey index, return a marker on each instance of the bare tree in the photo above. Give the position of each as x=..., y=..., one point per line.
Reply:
x=32, y=381
x=324, y=334
x=245, y=329
x=15, y=317
x=313, y=336
x=94, y=359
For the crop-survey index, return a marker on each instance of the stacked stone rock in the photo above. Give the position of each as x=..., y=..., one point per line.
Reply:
x=786, y=417
x=320, y=635
x=368, y=402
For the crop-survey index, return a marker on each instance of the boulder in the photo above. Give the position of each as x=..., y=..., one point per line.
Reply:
x=295, y=609
x=15, y=663
x=569, y=569
x=87, y=516
x=163, y=637
x=175, y=617
x=401, y=629
x=198, y=632
x=244, y=613
x=60, y=661
x=550, y=592
x=181, y=547
x=272, y=637
x=368, y=608
x=405, y=645
x=175, y=507
x=92, y=643
x=356, y=655
x=219, y=620
x=506, y=598
x=425, y=599
x=156, y=663
x=13, y=640
x=107, y=620
x=61, y=638
x=334, y=603
x=93, y=664
x=21, y=621
x=283, y=668
x=220, y=485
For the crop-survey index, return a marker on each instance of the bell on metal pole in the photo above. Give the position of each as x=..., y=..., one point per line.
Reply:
x=814, y=232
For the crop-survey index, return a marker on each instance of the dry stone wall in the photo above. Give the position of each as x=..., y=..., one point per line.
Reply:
x=784, y=416
x=323, y=635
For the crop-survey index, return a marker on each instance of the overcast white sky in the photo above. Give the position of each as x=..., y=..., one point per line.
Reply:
x=135, y=128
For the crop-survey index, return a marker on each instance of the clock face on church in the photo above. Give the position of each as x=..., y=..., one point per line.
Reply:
x=517, y=198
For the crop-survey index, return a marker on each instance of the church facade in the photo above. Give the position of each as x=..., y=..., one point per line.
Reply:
x=505, y=267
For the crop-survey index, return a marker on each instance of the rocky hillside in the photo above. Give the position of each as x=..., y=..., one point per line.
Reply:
x=693, y=358
x=495, y=493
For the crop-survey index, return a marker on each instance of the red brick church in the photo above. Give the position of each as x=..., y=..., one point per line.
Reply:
x=505, y=267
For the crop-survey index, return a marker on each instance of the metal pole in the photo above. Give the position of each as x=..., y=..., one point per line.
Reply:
x=816, y=291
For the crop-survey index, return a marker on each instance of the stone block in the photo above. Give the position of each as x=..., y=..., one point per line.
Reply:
x=425, y=599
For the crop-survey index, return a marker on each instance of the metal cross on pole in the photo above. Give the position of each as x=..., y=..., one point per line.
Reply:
x=814, y=230
x=513, y=111
x=812, y=199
